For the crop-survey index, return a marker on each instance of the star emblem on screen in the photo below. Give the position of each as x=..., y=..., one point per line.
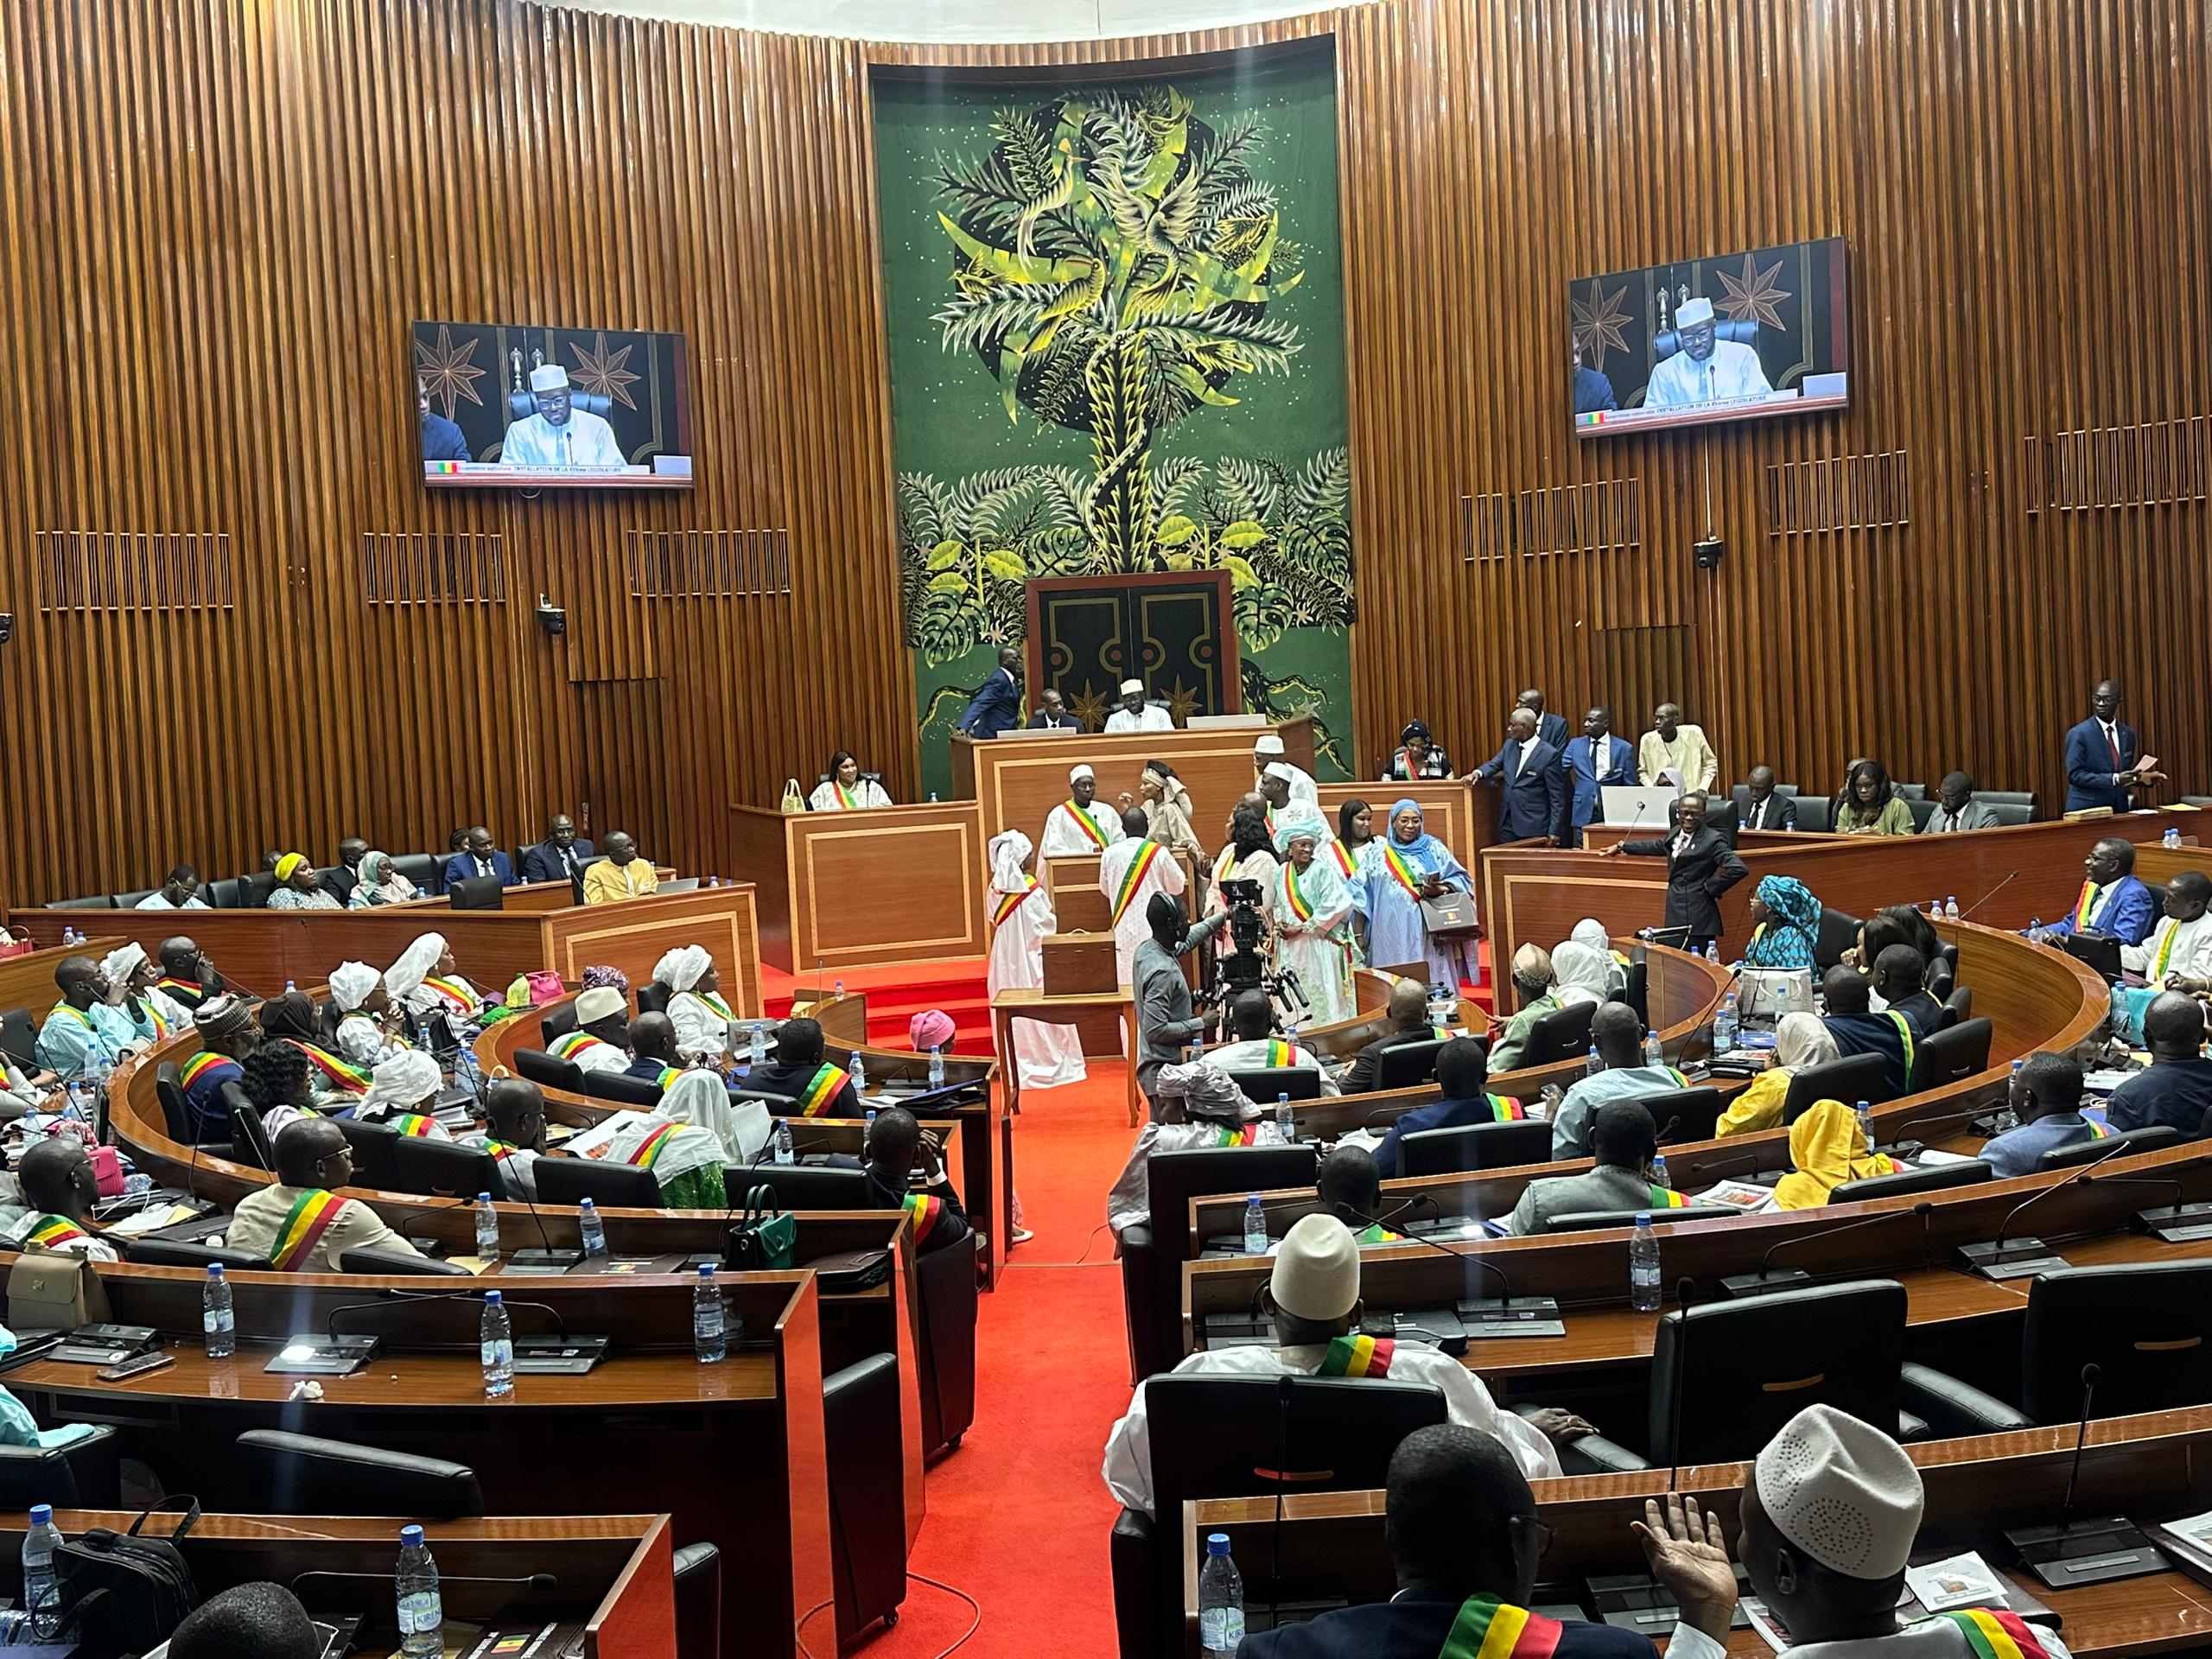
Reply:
x=600, y=371
x=1753, y=294
x=1598, y=321
x=448, y=374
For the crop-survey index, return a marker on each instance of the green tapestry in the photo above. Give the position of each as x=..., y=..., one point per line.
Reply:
x=1116, y=345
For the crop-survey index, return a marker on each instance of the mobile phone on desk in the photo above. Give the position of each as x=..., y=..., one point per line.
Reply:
x=138, y=1366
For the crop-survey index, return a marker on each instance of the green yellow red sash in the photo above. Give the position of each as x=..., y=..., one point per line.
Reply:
x=161, y=1027
x=500, y=1150
x=1298, y=906
x=1343, y=859
x=1097, y=837
x=188, y=987
x=927, y=1212
x=668, y=1076
x=1009, y=902
x=1280, y=1054
x=1904, y=1036
x=1402, y=872
x=2165, y=952
x=455, y=994
x=2083, y=905
x=1489, y=1629
x=1247, y=1137
x=303, y=1228
x=1665, y=1198
x=411, y=1123
x=569, y=1044
x=347, y=1079
x=1377, y=1233
x=1133, y=878
x=1994, y=1633
x=54, y=1231
x=823, y=1090
x=2097, y=1131
x=1222, y=863
x=714, y=1001
x=200, y=1065
x=1504, y=1108
x=649, y=1149
x=1353, y=1355
x=845, y=797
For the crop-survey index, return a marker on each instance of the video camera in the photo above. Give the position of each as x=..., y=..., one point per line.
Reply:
x=1242, y=967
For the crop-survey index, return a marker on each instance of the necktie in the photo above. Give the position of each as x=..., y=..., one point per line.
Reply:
x=2112, y=742
x=1682, y=843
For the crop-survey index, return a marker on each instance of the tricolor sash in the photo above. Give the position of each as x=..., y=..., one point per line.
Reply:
x=714, y=1001
x=1490, y=1629
x=1008, y=903
x=1402, y=872
x=1222, y=863
x=2165, y=952
x=927, y=1210
x=186, y=987
x=200, y=1065
x=458, y=995
x=845, y=797
x=77, y=1014
x=1354, y=1355
x=411, y=1124
x=823, y=1090
x=1298, y=906
x=161, y=1026
x=53, y=1232
x=500, y=1150
x=1377, y=1233
x=1247, y=1137
x=1133, y=878
x=1504, y=1108
x=1665, y=1198
x=1904, y=1036
x=348, y=1079
x=1280, y=1055
x=668, y=1076
x=2097, y=1131
x=2083, y=905
x=303, y=1228
x=1997, y=1633
x=1097, y=838
x=571, y=1044
x=1336, y=850
x=649, y=1149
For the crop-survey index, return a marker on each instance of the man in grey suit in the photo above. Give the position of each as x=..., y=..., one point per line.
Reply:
x=1956, y=808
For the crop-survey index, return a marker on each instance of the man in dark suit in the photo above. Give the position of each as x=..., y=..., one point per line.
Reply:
x=478, y=856
x=1052, y=714
x=561, y=856
x=1701, y=867
x=1464, y=1538
x=1551, y=727
x=997, y=702
x=341, y=878
x=2104, y=757
x=1593, y=760
x=1532, y=796
x=1762, y=809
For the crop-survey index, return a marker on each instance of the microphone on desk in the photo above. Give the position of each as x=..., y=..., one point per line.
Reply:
x=1989, y=1259
x=1751, y=1284
x=2092, y=1374
x=1536, y=1313
x=1967, y=915
x=1685, y=1293
x=538, y=1582
x=2093, y=1551
x=392, y=1294
x=1986, y=1110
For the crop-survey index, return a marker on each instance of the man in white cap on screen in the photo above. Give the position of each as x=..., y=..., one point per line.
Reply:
x=1312, y=1296
x=1081, y=823
x=1707, y=369
x=1135, y=714
x=1829, y=1513
x=1268, y=751
x=558, y=435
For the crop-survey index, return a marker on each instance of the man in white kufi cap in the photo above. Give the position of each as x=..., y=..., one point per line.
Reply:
x=1135, y=714
x=1312, y=1296
x=1830, y=1514
x=1081, y=823
x=1707, y=369
x=558, y=435
x=1268, y=751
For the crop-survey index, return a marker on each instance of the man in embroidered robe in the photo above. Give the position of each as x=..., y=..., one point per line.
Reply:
x=1135, y=714
x=228, y=1033
x=301, y=1224
x=1079, y=825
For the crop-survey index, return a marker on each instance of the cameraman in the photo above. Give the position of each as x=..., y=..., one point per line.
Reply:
x=1163, y=995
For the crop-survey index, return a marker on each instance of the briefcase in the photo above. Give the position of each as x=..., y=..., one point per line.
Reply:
x=1450, y=915
x=1080, y=964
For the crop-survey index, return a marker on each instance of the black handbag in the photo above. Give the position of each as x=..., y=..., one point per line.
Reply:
x=761, y=1242
x=123, y=1593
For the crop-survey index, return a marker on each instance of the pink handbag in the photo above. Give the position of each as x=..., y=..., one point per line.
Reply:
x=107, y=1166
x=545, y=987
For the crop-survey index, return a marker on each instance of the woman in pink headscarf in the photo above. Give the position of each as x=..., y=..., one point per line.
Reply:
x=931, y=1029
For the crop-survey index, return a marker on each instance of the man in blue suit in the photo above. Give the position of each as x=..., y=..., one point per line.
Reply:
x=997, y=702
x=2103, y=757
x=1532, y=796
x=478, y=856
x=2111, y=900
x=561, y=856
x=1595, y=759
x=1551, y=727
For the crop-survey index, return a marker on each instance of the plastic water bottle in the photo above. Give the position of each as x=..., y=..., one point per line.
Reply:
x=216, y=1319
x=1592, y=1065
x=2035, y=925
x=290, y=987
x=757, y=1050
x=838, y=987
x=1221, y=1601
x=1866, y=1116
x=868, y=1117
x=937, y=1066
x=1197, y=1050
x=1286, y=1123
x=42, y=1592
x=1256, y=1226
x=496, y=1338
x=1711, y=950
x=487, y=1228
x=1655, y=1052
x=591, y=1228
x=2171, y=838
x=1643, y=1266
x=783, y=1141
x=1547, y=1108
x=1951, y=908
x=421, y=1612
x=1936, y=908
x=707, y=1340
x=1659, y=1170
x=2007, y=1118
x=1724, y=1026
x=858, y=1070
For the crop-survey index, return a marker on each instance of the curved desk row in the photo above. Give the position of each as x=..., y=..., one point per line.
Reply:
x=26, y=981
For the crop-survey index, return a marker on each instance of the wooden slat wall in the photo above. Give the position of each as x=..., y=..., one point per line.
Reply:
x=219, y=216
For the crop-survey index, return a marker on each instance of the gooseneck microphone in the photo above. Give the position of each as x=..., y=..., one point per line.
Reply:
x=1967, y=915
x=1537, y=1316
x=2092, y=1374
x=1751, y=1284
x=1685, y=1293
x=1989, y=1260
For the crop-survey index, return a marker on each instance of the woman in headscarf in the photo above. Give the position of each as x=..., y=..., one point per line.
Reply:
x=423, y=981
x=278, y=1080
x=363, y=1036
x=1418, y=755
x=291, y=1019
x=1786, y=922
x=1354, y=838
x=1402, y=869
x=402, y=1090
x=379, y=882
x=1584, y=973
x=699, y=1098
x=1536, y=984
x=685, y=1159
x=1799, y=1041
x=299, y=887
x=1166, y=808
x=1311, y=911
x=703, y=1020
x=1592, y=931
x=1828, y=1150
x=932, y=1028
x=1021, y=915
x=845, y=790
x=136, y=1009
x=1870, y=805
x=1199, y=1107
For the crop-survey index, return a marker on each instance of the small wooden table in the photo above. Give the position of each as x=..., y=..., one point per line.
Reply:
x=1031, y=1003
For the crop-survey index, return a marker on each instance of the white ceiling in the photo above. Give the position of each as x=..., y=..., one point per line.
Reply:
x=962, y=20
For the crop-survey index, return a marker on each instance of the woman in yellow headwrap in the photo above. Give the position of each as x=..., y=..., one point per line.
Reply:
x=1828, y=1150
x=299, y=887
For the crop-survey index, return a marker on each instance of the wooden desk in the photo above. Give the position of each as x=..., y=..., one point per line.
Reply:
x=27, y=982
x=614, y=1573
x=1030, y=1002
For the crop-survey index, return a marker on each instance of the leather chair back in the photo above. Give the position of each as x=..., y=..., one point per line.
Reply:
x=803, y=1186
x=1951, y=1055
x=2147, y=1327
x=300, y=1474
x=1682, y=1114
x=1264, y=1085
x=376, y=1153
x=1587, y=1221
x=1942, y=979
x=1851, y=1080
x=19, y=1038
x=1921, y=809
x=85, y=1474
x=1928, y=1179
x=170, y=1092
x=249, y=1139
x=2005, y=797
x=652, y=997
x=868, y=1519
x=392, y=1263
x=446, y=1169
x=221, y=894
x=1668, y=341
x=254, y=890
x=1153, y=1256
x=547, y=1072
x=421, y=868
x=698, y=1602
x=944, y=1286
x=1406, y=1065
x=1960, y=1004
x=1637, y=992
x=1474, y=1146
x=1910, y=791
x=571, y=1180
x=2126, y=1144
x=2011, y=813
x=131, y=900
x=183, y=1253
x=557, y=1022
x=1816, y=814
x=624, y=1089
x=1726, y=1376
x=1562, y=1034
x=90, y=902
x=1838, y=929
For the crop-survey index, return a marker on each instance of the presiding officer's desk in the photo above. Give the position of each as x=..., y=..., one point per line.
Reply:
x=614, y=1575
x=2154, y=1466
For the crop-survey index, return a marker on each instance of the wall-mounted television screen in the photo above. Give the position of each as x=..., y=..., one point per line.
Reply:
x=1727, y=339
x=518, y=405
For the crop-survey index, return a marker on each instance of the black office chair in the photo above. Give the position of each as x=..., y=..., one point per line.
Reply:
x=376, y=1153
x=1951, y=1055
x=478, y=893
x=1921, y=809
x=571, y=1180
x=944, y=1345
x=1851, y=1080
x=176, y=1116
x=778, y=1105
x=254, y=890
x=1815, y=815
x=1585, y=1221
x=802, y=1186
x=1637, y=992
x=1470, y=1147
x=1407, y=1065
x=185, y=1253
x=867, y=1523
x=1243, y=1437
x=2099, y=952
x=619, y=1086
x=90, y=902
x=1839, y=931
x=446, y=1169
x=19, y=1038
x=249, y=1138
x=131, y=900
x=2150, y=1138
x=699, y=1599
x=1264, y=1085
x=1562, y=1034
x=1682, y=1114
x=421, y=868
x=557, y=1022
x=85, y=1474
x=2146, y=1326
x=389, y=1264
x=547, y=1072
x=1942, y=979
x=300, y=1474
x=221, y=894
x=1959, y=1004
x=652, y=997
x=1930, y=1179
x=2004, y=802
